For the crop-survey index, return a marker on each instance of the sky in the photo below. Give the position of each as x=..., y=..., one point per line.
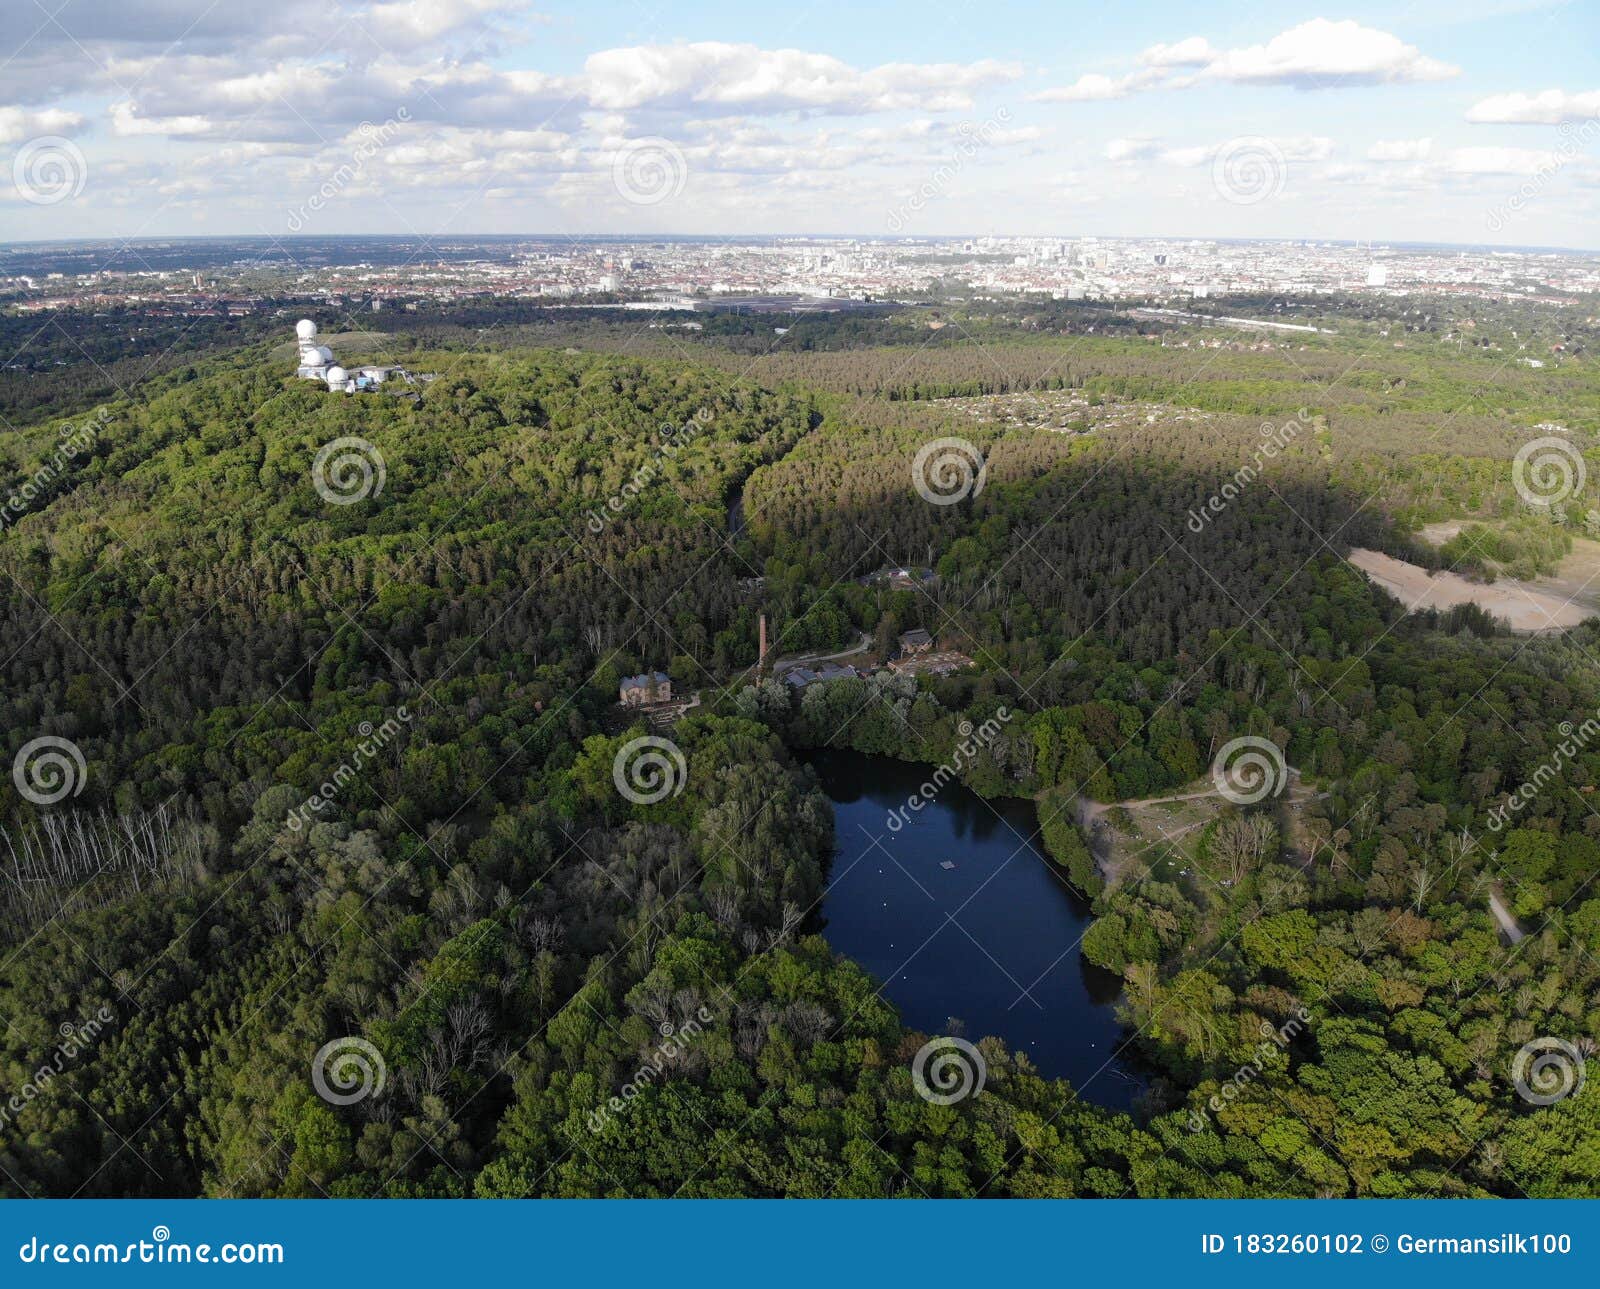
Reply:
x=1476, y=121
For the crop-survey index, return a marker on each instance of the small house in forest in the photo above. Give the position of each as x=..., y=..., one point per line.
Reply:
x=645, y=688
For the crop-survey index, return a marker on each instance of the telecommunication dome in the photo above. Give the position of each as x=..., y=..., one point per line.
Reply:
x=337, y=375
x=305, y=329
x=324, y=353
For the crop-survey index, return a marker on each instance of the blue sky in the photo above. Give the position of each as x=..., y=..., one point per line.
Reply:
x=1433, y=121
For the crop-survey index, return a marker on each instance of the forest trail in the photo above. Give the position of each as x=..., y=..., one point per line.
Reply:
x=1502, y=915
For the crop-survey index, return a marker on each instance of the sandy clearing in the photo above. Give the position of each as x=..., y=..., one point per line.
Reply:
x=1529, y=607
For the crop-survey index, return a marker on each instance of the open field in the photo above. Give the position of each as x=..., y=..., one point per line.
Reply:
x=1534, y=608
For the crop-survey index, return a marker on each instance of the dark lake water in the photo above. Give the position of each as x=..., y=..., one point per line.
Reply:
x=992, y=941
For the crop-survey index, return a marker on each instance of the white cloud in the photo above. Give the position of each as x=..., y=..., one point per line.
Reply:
x=749, y=78
x=1321, y=53
x=1094, y=88
x=20, y=123
x=1548, y=108
x=1315, y=55
x=1140, y=149
x=126, y=122
x=1195, y=51
x=1400, y=150
x=1500, y=161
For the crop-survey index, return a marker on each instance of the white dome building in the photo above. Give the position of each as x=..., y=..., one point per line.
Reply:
x=338, y=378
x=315, y=359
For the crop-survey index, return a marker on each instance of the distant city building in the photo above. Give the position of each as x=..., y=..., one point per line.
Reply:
x=645, y=688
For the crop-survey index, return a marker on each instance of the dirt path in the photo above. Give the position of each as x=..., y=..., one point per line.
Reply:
x=780, y=665
x=1502, y=915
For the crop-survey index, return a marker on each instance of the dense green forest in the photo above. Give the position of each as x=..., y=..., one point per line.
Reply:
x=424, y=634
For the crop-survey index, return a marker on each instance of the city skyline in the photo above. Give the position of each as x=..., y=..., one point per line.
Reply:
x=1471, y=125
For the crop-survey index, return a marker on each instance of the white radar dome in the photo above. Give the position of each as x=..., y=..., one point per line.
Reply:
x=337, y=376
x=305, y=329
